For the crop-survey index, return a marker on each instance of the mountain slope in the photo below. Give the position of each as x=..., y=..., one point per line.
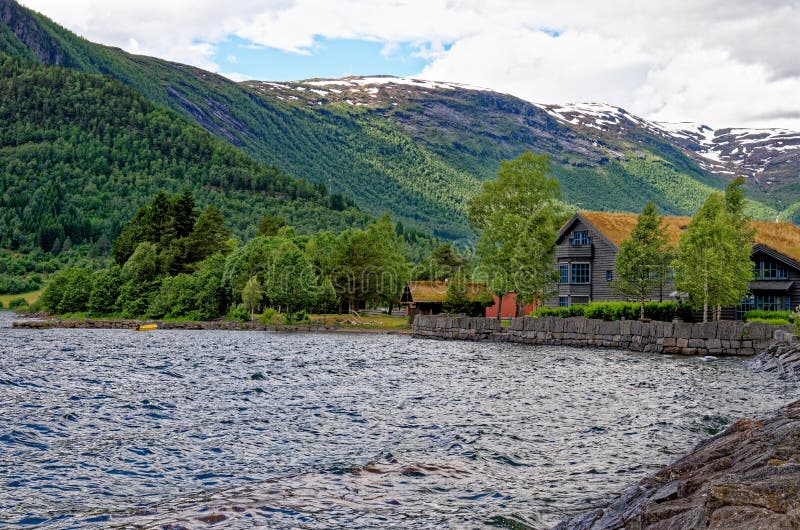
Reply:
x=80, y=153
x=417, y=149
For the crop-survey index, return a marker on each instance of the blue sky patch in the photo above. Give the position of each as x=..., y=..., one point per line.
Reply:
x=328, y=58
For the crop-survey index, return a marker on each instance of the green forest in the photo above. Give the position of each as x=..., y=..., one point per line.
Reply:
x=175, y=261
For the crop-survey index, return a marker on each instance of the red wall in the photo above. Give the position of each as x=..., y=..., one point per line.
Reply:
x=509, y=307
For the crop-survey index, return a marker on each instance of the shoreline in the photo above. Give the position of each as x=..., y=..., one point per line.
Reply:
x=221, y=325
x=747, y=476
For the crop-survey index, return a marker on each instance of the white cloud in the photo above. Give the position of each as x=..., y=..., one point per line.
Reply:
x=716, y=61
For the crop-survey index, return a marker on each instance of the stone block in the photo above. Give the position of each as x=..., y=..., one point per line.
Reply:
x=625, y=327
x=697, y=343
x=609, y=328
x=704, y=330
x=682, y=330
x=682, y=342
x=713, y=344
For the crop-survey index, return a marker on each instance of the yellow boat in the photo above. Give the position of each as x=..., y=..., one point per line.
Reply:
x=145, y=327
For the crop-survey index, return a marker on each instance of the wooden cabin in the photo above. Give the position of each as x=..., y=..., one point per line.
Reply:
x=427, y=297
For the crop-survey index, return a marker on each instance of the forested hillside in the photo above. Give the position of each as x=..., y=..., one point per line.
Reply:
x=80, y=153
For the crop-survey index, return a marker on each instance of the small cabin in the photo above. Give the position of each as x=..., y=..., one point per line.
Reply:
x=427, y=297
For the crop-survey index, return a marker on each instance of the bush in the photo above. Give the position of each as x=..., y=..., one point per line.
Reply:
x=271, y=317
x=239, y=312
x=561, y=312
x=759, y=315
x=299, y=317
x=17, y=303
x=774, y=321
x=665, y=311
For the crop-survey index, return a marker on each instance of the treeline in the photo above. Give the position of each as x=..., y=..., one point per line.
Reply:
x=79, y=153
x=172, y=261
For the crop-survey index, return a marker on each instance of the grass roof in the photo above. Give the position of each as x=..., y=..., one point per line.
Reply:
x=425, y=291
x=783, y=237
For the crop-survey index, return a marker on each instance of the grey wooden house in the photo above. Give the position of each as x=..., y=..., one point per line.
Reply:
x=588, y=243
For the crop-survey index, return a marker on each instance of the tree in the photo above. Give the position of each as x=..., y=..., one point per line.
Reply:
x=251, y=295
x=457, y=298
x=713, y=263
x=209, y=234
x=269, y=225
x=291, y=284
x=517, y=219
x=643, y=258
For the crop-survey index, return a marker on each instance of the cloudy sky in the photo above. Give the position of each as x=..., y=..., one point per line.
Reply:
x=719, y=62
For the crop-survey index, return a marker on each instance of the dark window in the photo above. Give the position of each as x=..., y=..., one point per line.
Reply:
x=748, y=303
x=609, y=276
x=580, y=237
x=579, y=300
x=772, y=302
x=769, y=270
x=580, y=273
x=563, y=301
x=563, y=273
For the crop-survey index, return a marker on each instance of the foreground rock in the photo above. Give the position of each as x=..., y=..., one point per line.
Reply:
x=781, y=358
x=745, y=478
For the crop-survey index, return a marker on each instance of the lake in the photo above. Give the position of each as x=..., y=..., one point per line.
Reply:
x=186, y=429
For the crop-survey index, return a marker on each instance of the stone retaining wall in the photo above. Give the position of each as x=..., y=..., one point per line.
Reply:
x=711, y=338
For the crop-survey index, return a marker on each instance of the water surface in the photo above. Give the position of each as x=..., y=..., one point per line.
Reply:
x=104, y=428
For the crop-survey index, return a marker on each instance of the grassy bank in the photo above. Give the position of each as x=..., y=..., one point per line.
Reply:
x=29, y=297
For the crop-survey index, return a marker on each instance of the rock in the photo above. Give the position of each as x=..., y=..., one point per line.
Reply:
x=747, y=477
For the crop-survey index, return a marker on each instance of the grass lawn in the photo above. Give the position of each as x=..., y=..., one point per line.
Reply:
x=366, y=321
x=30, y=297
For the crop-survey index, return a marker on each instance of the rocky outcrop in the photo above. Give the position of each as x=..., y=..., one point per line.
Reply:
x=711, y=338
x=745, y=478
x=782, y=357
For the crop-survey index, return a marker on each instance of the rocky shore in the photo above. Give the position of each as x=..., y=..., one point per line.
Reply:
x=47, y=323
x=745, y=478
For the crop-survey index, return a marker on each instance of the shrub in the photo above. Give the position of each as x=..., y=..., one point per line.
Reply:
x=239, y=312
x=271, y=317
x=298, y=317
x=665, y=311
x=17, y=303
x=751, y=316
x=774, y=321
x=561, y=312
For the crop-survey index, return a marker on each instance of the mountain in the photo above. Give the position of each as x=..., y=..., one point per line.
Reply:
x=79, y=153
x=421, y=149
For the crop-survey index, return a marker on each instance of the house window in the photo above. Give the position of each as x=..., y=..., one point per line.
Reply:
x=563, y=273
x=563, y=301
x=580, y=273
x=772, y=302
x=609, y=275
x=747, y=304
x=579, y=300
x=580, y=237
x=769, y=270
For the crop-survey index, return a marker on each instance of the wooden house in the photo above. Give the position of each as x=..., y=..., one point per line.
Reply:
x=588, y=243
x=427, y=297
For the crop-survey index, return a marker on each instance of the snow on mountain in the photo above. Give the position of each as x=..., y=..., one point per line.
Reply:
x=767, y=155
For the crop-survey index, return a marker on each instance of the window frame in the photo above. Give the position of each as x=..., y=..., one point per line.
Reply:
x=573, y=275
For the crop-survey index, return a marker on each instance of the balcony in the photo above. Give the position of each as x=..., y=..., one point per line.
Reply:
x=571, y=250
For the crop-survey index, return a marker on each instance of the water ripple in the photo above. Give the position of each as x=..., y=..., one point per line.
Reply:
x=108, y=428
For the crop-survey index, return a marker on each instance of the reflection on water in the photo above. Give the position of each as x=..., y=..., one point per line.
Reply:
x=179, y=429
